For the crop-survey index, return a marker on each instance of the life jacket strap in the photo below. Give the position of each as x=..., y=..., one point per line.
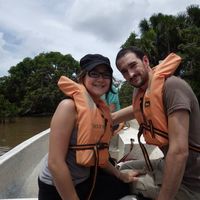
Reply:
x=98, y=146
x=194, y=148
x=154, y=130
x=123, y=159
x=144, y=151
x=95, y=148
x=96, y=153
x=165, y=135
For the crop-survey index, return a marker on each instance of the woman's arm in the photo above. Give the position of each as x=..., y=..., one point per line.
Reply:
x=126, y=176
x=62, y=125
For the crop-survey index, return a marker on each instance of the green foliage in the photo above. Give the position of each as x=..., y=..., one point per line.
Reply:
x=163, y=34
x=8, y=111
x=190, y=52
x=32, y=83
x=31, y=87
x=125, y=94
x=131, y=41
x=193, y=12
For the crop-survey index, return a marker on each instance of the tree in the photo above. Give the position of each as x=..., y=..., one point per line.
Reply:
x=131, y=41
x=162, y=34
x=8, y=111
x=32, y=83
x=125, y=94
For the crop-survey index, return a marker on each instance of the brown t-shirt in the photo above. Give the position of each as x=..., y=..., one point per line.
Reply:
x=178, y=95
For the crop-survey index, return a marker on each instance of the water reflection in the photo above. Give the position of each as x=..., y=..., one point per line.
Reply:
x=11, y=134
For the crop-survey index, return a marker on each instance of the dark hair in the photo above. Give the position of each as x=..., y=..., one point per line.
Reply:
x=133, y=49
x=81, y=76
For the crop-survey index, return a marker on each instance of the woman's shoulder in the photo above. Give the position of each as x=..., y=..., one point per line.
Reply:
x=67, y=104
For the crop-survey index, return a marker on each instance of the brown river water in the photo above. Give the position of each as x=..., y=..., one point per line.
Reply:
x=12, y=134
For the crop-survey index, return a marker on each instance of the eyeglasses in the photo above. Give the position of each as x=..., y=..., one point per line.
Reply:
x=96, y=74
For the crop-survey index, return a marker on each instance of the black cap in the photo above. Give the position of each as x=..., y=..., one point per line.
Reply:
x=90, y=61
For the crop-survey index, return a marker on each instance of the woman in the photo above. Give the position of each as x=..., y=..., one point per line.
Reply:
x=63, y=175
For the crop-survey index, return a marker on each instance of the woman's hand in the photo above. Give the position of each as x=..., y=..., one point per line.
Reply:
x=128, y=176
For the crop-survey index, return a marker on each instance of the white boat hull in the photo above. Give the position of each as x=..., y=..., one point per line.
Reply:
x=19, y=167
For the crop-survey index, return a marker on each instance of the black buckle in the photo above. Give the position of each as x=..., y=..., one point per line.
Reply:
x=101, y=145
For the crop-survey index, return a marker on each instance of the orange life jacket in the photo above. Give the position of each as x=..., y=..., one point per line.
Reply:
x=149, y=110
x=93, y=122
x=148, y=106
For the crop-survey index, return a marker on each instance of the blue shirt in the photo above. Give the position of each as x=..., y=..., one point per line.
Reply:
x=112, y=98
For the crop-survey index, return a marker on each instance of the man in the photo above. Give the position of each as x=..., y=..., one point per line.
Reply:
x=169, y=117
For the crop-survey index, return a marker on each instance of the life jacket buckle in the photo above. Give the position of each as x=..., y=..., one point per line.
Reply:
x=101, y=145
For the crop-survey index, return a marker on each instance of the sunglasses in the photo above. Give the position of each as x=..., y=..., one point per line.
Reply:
x=96, y=74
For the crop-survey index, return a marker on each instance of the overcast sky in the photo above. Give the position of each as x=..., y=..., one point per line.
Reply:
x=76, y=27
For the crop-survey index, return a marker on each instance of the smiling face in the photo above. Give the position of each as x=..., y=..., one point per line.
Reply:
x=134, y=70
x=98, y=81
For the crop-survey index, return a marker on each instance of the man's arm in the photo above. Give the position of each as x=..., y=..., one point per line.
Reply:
x=122, y=115
x=176, y=158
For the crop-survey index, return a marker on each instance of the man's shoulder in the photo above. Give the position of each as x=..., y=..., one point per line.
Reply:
x=174, y=82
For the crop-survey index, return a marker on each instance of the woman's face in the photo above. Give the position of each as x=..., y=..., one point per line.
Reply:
x=98, y=80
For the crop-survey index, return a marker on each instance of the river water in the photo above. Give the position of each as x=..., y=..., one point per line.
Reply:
x=12, y=134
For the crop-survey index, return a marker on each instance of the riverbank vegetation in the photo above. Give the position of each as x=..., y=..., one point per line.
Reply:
x=162, y=34
x=31, y=86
